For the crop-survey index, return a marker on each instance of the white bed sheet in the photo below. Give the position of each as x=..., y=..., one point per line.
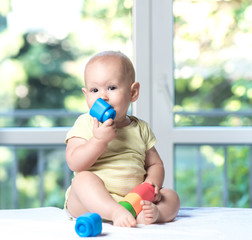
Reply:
x=191, y=223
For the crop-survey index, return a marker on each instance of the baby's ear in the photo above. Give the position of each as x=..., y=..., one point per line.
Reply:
x=135, y=87
x=84, y=90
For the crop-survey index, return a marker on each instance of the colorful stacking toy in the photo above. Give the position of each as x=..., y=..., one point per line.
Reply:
x=88, y=225
x=102, y=110
x=131, y=201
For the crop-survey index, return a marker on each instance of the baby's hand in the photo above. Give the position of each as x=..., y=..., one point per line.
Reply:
x=158, y=195
x=106, y=132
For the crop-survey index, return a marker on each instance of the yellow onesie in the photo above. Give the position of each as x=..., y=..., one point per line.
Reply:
x=122, y=165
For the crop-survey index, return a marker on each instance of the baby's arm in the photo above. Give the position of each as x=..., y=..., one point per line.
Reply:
x=82, y=154
x=155, y=170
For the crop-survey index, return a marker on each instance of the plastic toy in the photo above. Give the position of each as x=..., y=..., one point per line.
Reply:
x=88, y=225
x=131, y=201
x=102, y=110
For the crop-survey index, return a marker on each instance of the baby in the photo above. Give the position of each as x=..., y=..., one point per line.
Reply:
x=110, y=159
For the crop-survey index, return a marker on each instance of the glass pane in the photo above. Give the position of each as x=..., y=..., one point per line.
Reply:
x=212, y=51
x=213, y=176
x=43, y=55
x=33, y=177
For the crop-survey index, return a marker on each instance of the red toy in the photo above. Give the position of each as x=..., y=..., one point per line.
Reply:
x=131, y=201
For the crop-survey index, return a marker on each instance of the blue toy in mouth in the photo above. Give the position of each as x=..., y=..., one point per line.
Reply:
x=102, y=110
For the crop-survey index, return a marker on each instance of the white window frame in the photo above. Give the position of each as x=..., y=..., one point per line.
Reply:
x=153, y=36
x=153, y=41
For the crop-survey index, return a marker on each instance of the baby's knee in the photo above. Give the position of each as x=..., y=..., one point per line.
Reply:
x=171, y=200
x=171, y=196
x=85, y=178
x=168, y=192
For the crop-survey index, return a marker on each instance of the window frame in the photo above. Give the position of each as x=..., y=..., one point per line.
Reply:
x=33, y=136
x=154, y=70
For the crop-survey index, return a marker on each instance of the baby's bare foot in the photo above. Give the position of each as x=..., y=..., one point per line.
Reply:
x=123, y=218
x=149, y=214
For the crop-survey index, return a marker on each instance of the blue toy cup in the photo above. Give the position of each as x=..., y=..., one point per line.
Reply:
x=88, y=225
x=102, y=110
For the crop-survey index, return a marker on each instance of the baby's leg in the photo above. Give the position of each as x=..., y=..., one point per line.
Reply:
x=164, y=211
x=88, y=194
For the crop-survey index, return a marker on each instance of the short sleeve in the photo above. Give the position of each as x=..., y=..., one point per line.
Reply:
x=147, y=134
x=150, y=138
x=82, y=128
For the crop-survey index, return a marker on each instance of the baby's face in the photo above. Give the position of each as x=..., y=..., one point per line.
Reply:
x=104, y=79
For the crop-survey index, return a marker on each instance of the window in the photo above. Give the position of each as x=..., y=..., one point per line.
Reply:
x=213, y=88
x=205, y=145
x=44, y=48
x=197, y=97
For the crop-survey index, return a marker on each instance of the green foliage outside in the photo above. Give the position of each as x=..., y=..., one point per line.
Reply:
x=212, y=46
x=206, y=165
x=39, y=70
x=55, y=177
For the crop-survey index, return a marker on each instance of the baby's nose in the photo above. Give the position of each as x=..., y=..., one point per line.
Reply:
x=104, y=96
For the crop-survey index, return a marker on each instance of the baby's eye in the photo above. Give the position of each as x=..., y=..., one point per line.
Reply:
x=94, y=90
x=111, y=88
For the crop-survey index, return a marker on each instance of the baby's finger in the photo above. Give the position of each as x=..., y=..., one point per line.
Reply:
x=96, y=123
x=109, y=122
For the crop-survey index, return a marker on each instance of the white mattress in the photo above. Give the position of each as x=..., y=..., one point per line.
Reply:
x=191, y=223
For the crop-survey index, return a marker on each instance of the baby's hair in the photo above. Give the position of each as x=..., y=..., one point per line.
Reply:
x=128, y=67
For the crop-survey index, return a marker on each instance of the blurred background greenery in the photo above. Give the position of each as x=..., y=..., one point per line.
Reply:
x=43, y=51
x=41, y=66
x=213, y=80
